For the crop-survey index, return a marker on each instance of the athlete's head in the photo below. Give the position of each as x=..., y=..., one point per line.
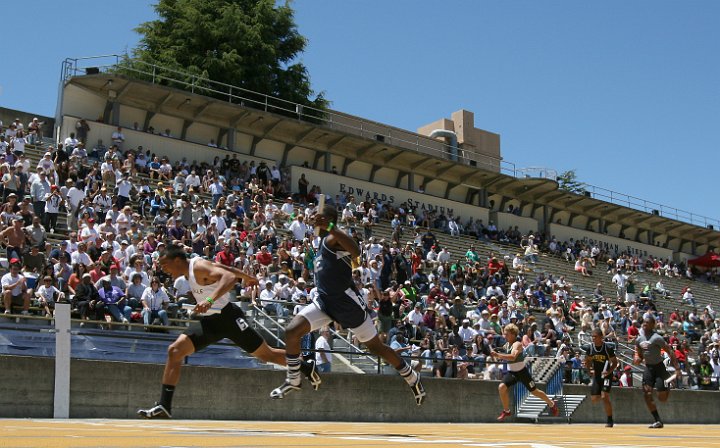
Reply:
x=173, y=260
x=329, y=212
x=648, y=324
x=511, y=329
x=597, y=336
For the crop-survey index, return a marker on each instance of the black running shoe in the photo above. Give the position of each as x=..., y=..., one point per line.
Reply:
x=310, y=371
x=157, y=411
x=656, y=425
x=286, y=388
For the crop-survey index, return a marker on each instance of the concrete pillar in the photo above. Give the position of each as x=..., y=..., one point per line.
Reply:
x=328, y=162
x=61, y=404
x=115, y=113
x=230, y=138
x=148, y=116
x=411, y=181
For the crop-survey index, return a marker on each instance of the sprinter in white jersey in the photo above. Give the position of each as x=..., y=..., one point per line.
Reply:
x=210, y=284
x=517, y=372
x=338, y=300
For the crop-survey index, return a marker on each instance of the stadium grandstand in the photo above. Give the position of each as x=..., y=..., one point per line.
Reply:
x=456, y=243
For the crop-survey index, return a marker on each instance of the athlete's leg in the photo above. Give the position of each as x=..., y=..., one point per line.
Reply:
x=299, y=326
x=504, y=396
x=607, y=404
x=177, y=352
x=663, y=395
x=648, y=396
x=266, y=353
x=543, y=396
x=376, y=347
x=406, y=372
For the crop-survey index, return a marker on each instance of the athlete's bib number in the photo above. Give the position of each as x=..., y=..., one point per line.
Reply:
x=241, y=323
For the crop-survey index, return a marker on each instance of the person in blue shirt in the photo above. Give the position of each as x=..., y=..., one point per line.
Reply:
x=112, y=300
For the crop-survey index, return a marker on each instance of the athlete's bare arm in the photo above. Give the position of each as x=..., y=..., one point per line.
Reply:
x=226, y=277
x=513, y=355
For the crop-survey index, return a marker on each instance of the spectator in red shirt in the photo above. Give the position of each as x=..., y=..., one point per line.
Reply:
x=633, y=331
x=264, y=257
x=225, y=256
x=493, y=266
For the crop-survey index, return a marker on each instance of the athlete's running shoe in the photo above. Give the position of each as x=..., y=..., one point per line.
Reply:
x=419, y=391
x=310, y=371
x=609, y=424
x=554, y=410
x=656, y=425
x=503, y=415
x=157, y=411
x=283, y=390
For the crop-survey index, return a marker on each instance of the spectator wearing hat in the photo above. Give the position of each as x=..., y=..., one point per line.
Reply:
x=14, y=288
x=112, y=300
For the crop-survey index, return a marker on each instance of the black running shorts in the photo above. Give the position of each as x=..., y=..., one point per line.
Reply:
x=655, y=376
x=600, y=384
x=229, y=323
x=522, y=376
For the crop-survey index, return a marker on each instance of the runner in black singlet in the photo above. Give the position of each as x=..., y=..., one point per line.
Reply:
x=600, y=360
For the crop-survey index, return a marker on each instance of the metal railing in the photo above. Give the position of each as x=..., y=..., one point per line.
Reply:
x=123, y=65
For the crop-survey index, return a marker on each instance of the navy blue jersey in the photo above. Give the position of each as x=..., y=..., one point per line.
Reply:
x=333, y=271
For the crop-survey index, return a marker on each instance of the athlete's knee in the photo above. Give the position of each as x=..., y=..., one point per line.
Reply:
x=594, y=398
x=502, y=387
x=297, y=328
x=663, y=396
x=176, y=351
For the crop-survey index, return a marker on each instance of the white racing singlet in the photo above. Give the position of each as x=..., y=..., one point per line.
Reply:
x=201, y=292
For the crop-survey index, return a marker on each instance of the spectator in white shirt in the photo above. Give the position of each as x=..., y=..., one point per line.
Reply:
x=155, y=302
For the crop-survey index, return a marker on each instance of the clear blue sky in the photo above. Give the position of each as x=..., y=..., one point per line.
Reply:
x=626, y=93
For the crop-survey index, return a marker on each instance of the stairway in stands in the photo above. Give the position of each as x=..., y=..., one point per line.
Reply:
x=528, y=406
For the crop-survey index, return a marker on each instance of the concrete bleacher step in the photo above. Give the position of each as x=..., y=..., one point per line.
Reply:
x=535, y=409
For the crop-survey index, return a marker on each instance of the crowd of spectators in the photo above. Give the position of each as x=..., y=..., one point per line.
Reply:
x=123, y=204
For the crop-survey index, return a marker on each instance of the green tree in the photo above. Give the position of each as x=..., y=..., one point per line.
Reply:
x=252, y=44
x=568, y=181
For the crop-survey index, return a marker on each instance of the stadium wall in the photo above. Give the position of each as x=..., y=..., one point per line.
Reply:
x=101, y=389
x=333, y=184
x=7, y=116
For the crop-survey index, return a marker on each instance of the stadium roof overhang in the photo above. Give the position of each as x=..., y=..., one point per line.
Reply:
x=198, y=108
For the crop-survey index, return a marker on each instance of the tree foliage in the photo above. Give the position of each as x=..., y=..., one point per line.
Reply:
x=568, y=181
x=253, y=44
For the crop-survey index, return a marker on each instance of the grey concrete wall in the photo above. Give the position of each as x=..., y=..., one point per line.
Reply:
x=102, y=389
x=7, y=116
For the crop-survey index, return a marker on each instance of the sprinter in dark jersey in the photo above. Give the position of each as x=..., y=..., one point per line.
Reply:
x=517, y=372
x=338, y=300
x=600, y=360
x=647, y=348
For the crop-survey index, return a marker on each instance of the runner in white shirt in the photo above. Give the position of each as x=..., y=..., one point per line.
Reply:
x=211, y=284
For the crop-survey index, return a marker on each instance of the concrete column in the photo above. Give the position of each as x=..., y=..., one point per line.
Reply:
x=61, y=406
x=115, y=113
x=328, y=162
x=411, y=181
x=230, y=138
